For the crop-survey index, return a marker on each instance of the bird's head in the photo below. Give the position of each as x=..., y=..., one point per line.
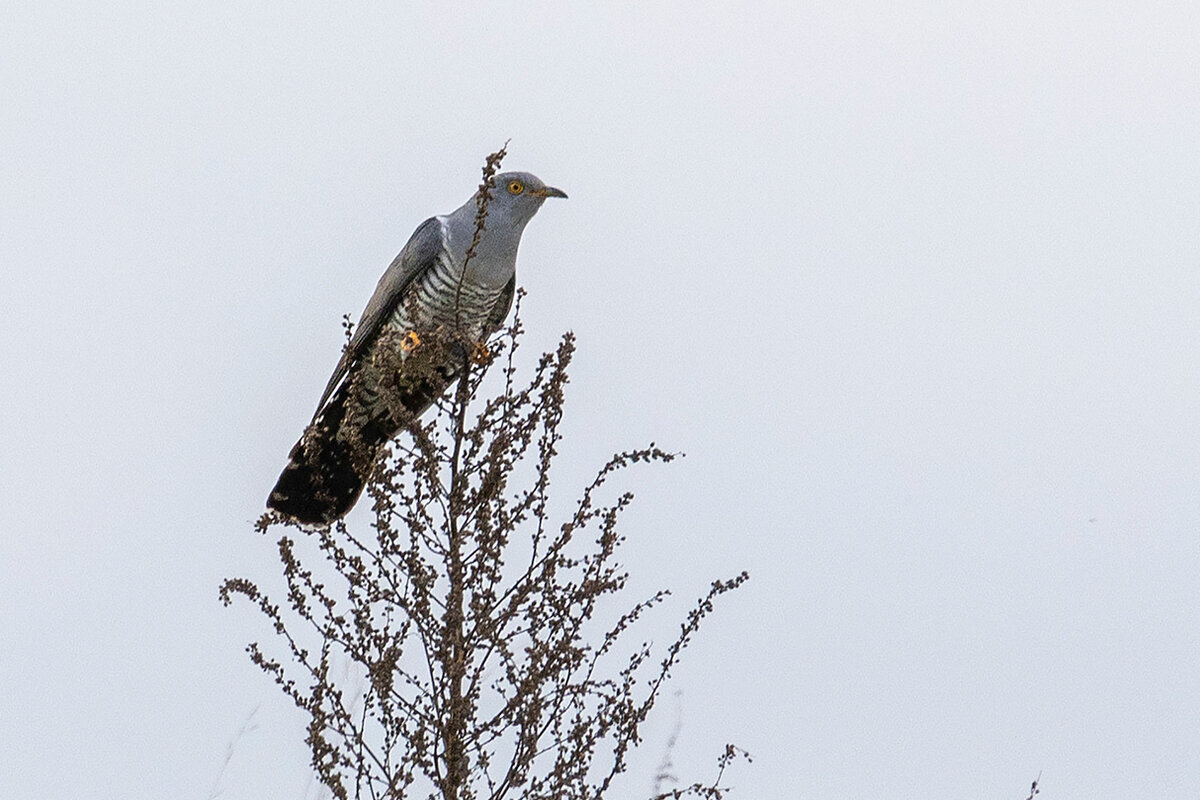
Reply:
x=518, y=195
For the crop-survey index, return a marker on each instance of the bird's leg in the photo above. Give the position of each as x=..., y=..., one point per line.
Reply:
x=410, y=342
x=481, y=353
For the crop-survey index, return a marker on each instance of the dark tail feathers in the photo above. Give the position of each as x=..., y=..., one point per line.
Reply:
x=325, y=472
x=329, y=466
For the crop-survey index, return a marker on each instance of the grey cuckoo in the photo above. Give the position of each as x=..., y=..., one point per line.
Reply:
x=431, y=286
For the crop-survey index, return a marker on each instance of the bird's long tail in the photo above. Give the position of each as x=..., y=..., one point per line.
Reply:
x=328, y=467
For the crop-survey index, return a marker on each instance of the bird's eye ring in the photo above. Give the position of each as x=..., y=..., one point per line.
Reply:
x=515, y=187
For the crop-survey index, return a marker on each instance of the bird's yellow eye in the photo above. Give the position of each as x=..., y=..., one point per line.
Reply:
x=515, y=187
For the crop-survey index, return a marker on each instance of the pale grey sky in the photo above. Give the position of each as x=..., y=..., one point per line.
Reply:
x=915, y=288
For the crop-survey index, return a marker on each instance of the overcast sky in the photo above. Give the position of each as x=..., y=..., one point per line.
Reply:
x=914, y=288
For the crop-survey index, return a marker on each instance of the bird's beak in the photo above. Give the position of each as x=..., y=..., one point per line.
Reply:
x=550, y=191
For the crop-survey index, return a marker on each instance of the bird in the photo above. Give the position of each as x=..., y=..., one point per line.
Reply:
x=454, y=274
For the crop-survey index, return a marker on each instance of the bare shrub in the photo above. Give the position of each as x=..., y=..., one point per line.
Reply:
x=478, y=630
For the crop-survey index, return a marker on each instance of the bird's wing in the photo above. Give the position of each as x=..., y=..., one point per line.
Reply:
x=416, y=257
x=503, y=305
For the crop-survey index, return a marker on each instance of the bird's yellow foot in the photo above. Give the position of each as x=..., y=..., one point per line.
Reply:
x=481, y=353
x=410, y=342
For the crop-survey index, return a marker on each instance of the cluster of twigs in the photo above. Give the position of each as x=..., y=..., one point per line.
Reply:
x=482, y=676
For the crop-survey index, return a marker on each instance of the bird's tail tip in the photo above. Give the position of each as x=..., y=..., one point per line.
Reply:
x=316, y=489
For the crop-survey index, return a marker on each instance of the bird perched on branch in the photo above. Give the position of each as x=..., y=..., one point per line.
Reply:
x=453, y=282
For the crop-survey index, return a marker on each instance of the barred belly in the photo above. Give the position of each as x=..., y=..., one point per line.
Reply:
x=434, y=306
x=437, y=302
